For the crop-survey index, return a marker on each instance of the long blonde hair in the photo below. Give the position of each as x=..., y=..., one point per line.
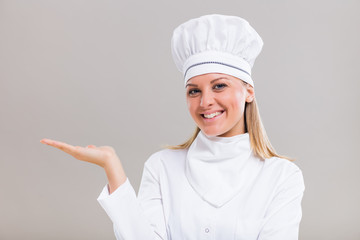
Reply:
x=259, y=140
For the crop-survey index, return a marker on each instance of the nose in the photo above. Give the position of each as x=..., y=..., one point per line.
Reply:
x=207, y=99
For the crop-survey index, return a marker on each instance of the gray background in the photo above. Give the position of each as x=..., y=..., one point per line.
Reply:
x=101, y=72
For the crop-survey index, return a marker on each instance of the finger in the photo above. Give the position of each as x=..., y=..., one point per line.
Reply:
x=91, y=146
x=48, y=142
x=60, y=145
x=45, y=141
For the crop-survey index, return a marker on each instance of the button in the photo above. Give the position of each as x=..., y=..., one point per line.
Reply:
x=207, y=230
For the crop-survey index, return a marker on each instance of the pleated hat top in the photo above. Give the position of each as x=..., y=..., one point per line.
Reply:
x=216, y=44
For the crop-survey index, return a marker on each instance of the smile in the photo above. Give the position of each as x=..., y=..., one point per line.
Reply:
x=212, y=115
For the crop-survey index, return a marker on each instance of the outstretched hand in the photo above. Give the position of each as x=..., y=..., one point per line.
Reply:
x=103, y=156
x=97, y=155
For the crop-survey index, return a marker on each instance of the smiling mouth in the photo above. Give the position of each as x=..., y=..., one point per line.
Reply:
x=212, y=115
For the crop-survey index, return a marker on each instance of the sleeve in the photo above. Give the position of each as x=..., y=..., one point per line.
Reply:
x=282, y=219
x=134, y=217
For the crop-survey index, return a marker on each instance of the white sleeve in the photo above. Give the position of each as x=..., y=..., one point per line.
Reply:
x=136, y=218
x=284, y=214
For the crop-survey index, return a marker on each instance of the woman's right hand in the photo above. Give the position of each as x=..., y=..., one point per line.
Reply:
x=97, y=155
x=103, y=156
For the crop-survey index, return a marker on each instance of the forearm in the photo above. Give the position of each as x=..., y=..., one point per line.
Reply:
x=134, y=218
x=115, y=174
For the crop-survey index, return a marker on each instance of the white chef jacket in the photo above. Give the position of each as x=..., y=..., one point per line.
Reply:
x=215, y=190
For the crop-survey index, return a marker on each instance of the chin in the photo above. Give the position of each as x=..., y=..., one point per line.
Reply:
x=212, y=132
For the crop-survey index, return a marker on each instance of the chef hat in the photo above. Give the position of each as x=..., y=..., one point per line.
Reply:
x=216, y=44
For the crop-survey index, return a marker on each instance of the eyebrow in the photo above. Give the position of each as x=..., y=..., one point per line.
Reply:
x=191, y=84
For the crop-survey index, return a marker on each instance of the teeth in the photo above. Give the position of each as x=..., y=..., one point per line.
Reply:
x=212, y=115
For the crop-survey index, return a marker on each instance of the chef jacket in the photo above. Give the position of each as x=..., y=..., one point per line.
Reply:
x=217, y=189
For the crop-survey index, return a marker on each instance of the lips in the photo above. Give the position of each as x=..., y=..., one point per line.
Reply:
x=211, y=115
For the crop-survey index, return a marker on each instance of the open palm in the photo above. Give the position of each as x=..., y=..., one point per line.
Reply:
x=90, y=153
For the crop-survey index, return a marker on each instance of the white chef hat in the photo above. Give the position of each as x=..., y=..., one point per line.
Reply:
x=216, y=43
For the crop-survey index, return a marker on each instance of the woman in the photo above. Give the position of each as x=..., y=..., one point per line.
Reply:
x=226, y=181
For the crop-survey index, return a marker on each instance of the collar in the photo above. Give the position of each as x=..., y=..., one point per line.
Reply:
x=215, y=166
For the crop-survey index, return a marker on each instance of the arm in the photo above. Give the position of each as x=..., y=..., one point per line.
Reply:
x=132, y=217
x=115, y=174
x=283, y=216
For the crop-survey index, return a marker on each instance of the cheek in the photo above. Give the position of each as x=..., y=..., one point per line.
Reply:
x=191, y=105
x=238, y=102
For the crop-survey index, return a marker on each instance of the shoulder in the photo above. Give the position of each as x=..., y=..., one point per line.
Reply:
x=281, y=165
x=284, y=171
x=166, y=157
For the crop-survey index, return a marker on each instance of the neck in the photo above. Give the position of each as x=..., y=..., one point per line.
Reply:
x=239, y=128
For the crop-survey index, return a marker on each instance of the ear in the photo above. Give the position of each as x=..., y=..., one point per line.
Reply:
x=250, y=92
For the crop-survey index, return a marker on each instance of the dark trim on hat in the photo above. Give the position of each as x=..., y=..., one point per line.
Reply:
x=228, y=65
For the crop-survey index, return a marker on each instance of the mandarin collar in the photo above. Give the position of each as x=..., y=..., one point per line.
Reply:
x=215, y=166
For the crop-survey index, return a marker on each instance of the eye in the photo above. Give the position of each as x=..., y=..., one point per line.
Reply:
x=220, y=86
x=193, y=91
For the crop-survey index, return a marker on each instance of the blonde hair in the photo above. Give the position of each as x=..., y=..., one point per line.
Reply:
x=259, y=140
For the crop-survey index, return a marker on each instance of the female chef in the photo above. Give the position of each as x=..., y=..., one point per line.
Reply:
x=226, y=182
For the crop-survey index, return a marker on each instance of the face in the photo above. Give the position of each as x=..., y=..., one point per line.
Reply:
x=216, y=102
